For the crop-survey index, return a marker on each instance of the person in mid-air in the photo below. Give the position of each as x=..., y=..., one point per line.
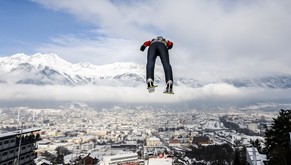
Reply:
x=158, y=47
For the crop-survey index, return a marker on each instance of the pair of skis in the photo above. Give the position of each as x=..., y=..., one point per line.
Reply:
x=152, y=90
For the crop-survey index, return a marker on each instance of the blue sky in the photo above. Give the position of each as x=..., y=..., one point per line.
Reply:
x=25, y=24
x=215, y=39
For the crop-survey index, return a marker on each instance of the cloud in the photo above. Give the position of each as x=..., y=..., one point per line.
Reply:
x=214, y=39
x=213, y=94
x=99, y=51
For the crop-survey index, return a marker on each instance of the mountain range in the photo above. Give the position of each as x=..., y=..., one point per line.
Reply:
x=50, y=69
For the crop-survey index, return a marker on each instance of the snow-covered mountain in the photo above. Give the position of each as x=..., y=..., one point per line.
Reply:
x=50, y=69
x=280, y=81
x=44, y=69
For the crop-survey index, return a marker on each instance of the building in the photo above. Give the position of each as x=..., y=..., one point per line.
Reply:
x=160, y=161
x=254, y=157
x=201, y=140
x=19, y=147
x=174, y=143
x=104, y=156
x=153, y=141
x=87, y=160
x=253, y=126
x=127, y=158
x=40, y=160
x=121, y=158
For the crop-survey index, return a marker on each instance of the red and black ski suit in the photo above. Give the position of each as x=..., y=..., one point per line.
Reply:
x=158, y=47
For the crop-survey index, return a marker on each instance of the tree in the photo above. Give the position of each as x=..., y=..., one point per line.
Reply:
x=61, y=152
x=50, y=157
x=277, y=140
x=239, y=156
x=256, y=144
x=215, y=154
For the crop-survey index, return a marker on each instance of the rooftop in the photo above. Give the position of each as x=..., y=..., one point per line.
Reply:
x=160, y=161
x=19, y=132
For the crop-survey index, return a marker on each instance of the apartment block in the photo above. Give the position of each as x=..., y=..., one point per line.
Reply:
x=19, y=147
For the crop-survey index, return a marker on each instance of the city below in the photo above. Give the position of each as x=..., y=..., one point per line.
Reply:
x=84, y=135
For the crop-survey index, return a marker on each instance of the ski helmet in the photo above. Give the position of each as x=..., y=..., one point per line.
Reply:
x=160, y=38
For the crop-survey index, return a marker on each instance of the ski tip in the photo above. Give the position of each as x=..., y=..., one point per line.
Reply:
x=170, y=93
x=152, y=87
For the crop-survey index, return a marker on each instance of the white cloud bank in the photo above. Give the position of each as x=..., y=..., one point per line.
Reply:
x=211, y=94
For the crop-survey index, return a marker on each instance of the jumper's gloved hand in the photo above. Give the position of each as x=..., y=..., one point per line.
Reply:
x=170, y=46
x=142, y=48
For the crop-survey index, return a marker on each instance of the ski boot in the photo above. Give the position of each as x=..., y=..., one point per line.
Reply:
x=151, y=86
x=169, y=88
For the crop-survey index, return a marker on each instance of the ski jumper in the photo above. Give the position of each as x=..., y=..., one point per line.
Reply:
x=158, y=47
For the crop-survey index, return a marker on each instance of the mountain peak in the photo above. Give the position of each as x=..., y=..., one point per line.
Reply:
x=19, y=55
x=49, y=55
x=16, y=57
x=50, y=60
x=46, y=58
